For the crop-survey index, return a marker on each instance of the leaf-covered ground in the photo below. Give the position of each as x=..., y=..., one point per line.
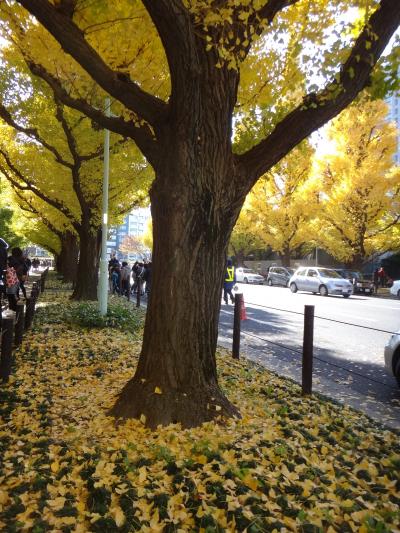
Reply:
x=290, y=464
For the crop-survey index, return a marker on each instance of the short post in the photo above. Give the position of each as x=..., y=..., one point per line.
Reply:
x=19, y=323
x=30, y=311
x=6, y=345
x=236, y=326
x=308, y=345
x=138, y=292
x=35, y=290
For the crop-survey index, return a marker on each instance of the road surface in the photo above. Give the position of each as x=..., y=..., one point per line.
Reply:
x=348, y=360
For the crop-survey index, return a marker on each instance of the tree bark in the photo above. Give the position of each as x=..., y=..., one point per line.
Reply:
x=88, y=265
x=67, y=259
x=285, y=257
x=192, y=225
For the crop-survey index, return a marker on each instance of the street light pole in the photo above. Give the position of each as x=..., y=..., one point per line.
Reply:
x=103, y=280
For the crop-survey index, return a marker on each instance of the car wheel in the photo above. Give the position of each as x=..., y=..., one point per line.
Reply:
x=323, y=290
x=246, y=280
x=269, y=282
x=346, y=295
x=397, y=370
x=293, y=287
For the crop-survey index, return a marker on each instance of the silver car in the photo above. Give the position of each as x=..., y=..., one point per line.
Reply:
x=323, y=280
x=392, y=356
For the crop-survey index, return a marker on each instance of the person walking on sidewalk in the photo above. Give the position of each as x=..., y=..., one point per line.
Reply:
x=229, y=281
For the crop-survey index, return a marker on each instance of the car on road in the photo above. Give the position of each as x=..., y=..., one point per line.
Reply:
x=395, y=288
x=392, y=356
x=360, y=284
x=279, y=276
x=246, y=275
x=323, y=280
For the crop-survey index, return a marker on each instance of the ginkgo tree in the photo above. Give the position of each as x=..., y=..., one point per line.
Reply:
x=55, y=154
x=179, y=72
x=244, y=239
x=283, y=202
x=45, y=227
x=359, y=184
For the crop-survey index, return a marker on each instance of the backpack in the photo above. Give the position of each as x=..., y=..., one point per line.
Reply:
x=11, y=277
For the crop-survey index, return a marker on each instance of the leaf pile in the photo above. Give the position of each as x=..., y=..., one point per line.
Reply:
x=290, y=464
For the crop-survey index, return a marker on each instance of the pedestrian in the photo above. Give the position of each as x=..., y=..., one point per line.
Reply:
x=3, y=268
x=116, y=279
x=382, y=276
x=376, y=280
x=125, y=279
x=113, y=262
x=147, y=277
x=138, y=272
x=229, y=281
x=17, y=261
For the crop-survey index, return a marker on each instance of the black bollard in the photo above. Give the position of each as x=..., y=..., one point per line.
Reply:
x=30, y=310
x=236, y=326
x=19, y=323
x=7, y=338
x=35, y=290
x=308, y=346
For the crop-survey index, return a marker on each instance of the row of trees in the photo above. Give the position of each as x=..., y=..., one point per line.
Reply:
x=345, y=200
x=52, y=158
x=214, y=94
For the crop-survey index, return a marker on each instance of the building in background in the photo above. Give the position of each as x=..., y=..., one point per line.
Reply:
x=134, y=225
x=394, y=116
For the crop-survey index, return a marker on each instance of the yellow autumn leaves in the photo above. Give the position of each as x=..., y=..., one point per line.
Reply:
x=290, y=463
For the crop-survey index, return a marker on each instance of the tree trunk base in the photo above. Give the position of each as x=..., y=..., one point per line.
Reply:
x=153, y=406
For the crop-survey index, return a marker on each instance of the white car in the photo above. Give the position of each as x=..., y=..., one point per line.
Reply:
x=392, y=356
x=395, y=288
x=246, y=275
x=323, y=280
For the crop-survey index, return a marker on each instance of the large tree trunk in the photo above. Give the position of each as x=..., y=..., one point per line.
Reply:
x=285, y=257
x=67, y=259
x=88, y=265
x=193, y=211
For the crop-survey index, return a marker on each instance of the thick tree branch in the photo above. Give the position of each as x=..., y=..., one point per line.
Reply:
x=72, y=40
x=32, y=188
x=33, y=133
x=141, y=134
x=317, y=109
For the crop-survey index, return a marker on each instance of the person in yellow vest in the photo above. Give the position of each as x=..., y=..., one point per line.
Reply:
x=229, y=281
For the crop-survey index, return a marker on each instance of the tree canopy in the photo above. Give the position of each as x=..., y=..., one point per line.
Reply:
x=359, y=184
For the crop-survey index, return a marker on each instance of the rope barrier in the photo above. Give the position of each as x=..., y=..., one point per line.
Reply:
x=324, y=318
x=321, y=360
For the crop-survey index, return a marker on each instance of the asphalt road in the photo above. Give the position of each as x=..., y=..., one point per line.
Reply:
x=348, y=360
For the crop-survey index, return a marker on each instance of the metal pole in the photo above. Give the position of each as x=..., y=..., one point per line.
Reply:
x=316, y=256
x=308, y=344
x=103, y=279
x=236, y=326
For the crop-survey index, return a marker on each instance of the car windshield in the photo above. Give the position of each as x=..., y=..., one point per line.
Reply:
x=248, y=271
x=350, y=274
x=328, y=273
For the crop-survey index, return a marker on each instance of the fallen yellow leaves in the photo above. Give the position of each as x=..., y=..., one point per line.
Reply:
x=291, y=463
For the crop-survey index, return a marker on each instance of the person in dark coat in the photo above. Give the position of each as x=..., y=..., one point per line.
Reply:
x=229, y=281
x=17, y=261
